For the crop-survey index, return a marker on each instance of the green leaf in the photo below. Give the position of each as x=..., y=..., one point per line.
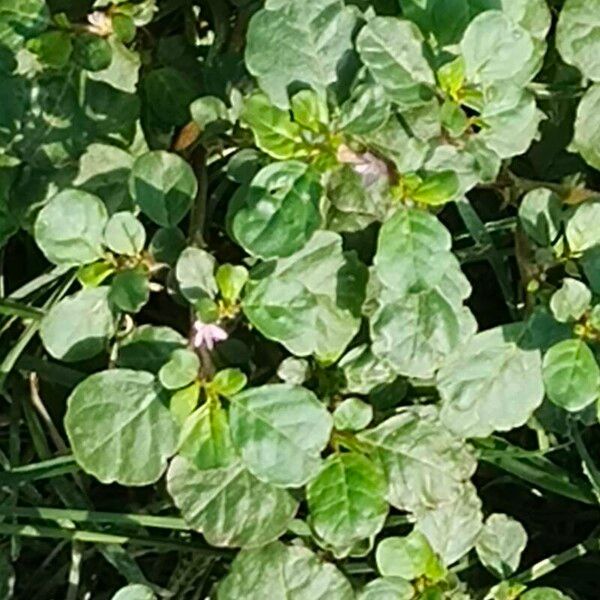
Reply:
x=229, y=505
x=169, y=92
x=496, y=49
x=409, y=557
x=540, y=215
x=298, y=42
x=167, y=244
x=409, y=250
x=510, y=119
x=490, y=383
x=582, y=228
x=205, y=439
x=123, y=27
x=280, y=431
x=500, y=545
x=544, y=593
x=279, y=571
x=452, y=528
x=91, y=52
x=123, y=71
x=181, y=369
x=571, y=301
x=164, y=186
x=195, y=274
x=437, y=188
x=586, y=138
x=446, y=20
x=69, y=229
x=392, y=50
x=148, y=348
x=293, y=370
x=571, y=375
x=182, y=405
x=53, y=48
x=363, y=371
x=414, y=333
x=210, y=114
x=346, y=500
x=578, y=36
x=274, y=131
x=231, y=280
x=80, y=326
x=130, y=290
x=110, y=413
x=387, y=588
x=309, y=110
x=136, y=591
x=20, y=20
x=228, y=382
x=104, y=171
x=310, y=302
x=425, y=465
x=124, y=234
x=365, y=111
x=352, y=415
x=280, y=212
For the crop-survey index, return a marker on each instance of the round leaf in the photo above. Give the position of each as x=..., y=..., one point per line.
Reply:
x=164, y=186
x=229, y=505
x=280, y=212
x=571, y=375
x=130, y=290
x=571, y=301
x=387, y=588
x=578, y=36
x=70, y=228
x=79, y=327
x=135, y=592
x=500, y=545
x=181, y=369
x=352, y=415
x=347, y=500
x=279, y=571
x=280, y=431
x=490, y=383
x=120, y=427
x=124, y=234
x=424, y=464
x=583, y=228
x=195, y=274
x=408, y=557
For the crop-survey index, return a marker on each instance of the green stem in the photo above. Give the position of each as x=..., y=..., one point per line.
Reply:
x=19, y=309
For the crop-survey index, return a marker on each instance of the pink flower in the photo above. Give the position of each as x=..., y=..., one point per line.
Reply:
x=367, y=165
x=207, y=335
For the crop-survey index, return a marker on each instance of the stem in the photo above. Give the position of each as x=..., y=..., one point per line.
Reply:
x=198, y=215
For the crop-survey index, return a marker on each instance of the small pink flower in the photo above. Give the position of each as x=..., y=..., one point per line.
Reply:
x=207, y=335
x=370, y=168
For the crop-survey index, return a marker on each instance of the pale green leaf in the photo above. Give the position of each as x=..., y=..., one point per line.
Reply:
x=181, y=369
x=452, y=528
x=280, y=212
x=112, y=412
x=352, y=415
x=540, y=214
x=571, y=301
x=490, y=383
x=70, y=228
x=571, y=375
x=346, y=499
x=392, y=50
x=80, y=326
x=280, y=431
x=387, y=588
x=124, y=234
x=425, y=465
x=195, y=274
x=278, y=571
x=228, y=504
x=310, y=302
x=583, y=228
x=578, y=36
x=500, y=544
x=298, y=42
